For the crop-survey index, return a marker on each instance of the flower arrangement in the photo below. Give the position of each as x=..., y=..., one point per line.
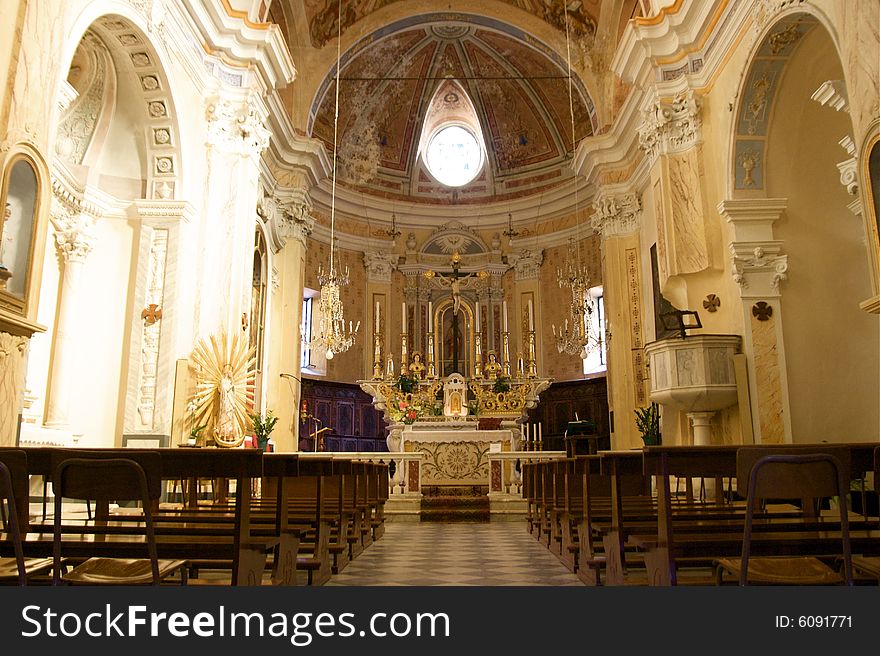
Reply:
x=502, y=384
x=404, y=410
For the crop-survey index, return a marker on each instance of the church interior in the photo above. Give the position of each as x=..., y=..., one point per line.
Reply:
x=526, y=287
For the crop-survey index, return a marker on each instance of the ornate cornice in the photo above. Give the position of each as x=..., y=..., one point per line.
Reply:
x=616, y=213
x=671, y=127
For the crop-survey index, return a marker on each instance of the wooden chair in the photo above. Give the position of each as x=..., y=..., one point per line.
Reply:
x=870, y=565
x=805, y=476
x=14, y=492
x=104, y=480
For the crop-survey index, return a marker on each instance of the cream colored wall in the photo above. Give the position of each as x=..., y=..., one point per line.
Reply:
x=12, y=11
x=831, y=346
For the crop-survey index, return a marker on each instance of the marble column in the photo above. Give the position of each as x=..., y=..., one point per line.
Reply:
x=616, y=218
x=670, y=135
x=758, y=266
x=73, y=241
x=291, y=221
x=236, y=137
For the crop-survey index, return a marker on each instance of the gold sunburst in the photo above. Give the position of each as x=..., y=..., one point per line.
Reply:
x=225, y=368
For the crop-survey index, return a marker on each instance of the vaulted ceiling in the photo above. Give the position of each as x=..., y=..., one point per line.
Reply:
x=322, y=15
x=519, y=89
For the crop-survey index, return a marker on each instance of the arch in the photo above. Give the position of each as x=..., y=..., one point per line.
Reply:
x=756, y=99
x=126, y=31
x=823, y=331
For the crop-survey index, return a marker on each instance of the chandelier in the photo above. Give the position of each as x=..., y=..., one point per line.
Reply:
x=576, y=338
x=333, y=335
x=575, y=335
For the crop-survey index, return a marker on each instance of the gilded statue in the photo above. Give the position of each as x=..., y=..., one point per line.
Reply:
x=492, y=368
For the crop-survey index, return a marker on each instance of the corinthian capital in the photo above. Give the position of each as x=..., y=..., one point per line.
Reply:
x=671, y=127
x=236, y=127
x=73, y=235
x=291, y=217
x=616, y=214
x=527, y=263
x=379, y=266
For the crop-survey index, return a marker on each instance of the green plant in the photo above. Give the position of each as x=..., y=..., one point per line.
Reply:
x=648, y=423
x=263, y=427
x=502, y=384
x=473, y=408
x=406, y=383
x=196, y=431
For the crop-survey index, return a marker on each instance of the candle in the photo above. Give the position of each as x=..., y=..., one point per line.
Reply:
x=377, y=317
x=403, y=329
x=504, y=314
x=531, y=316
x=539, y=431
x=478, y=316
x=430, y=316
x=526, y=432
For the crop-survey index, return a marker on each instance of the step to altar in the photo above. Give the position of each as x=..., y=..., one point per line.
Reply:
x=455, y=503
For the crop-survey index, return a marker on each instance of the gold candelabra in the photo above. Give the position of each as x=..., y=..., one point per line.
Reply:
x=478, y=356
x=432, y=373
x=505, y=353
x=377, y=357
x=532, y=363
x=404, y=361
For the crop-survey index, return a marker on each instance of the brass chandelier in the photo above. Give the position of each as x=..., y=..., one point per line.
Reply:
x=333, y=334
x=574, y=336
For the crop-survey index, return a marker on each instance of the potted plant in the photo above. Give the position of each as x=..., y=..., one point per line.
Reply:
x=648, y=423
x=502, y=384
x=195, y=435
x=263, y=427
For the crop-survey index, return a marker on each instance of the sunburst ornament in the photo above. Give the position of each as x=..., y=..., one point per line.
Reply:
x=224, y=387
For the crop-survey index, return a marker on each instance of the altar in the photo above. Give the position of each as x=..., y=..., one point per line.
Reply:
x=456, y=453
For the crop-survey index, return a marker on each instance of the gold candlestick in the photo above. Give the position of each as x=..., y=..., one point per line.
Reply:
x=377, y=358
x=533, y=364
x=505, y=353
x=478, y=356
x=431, y=371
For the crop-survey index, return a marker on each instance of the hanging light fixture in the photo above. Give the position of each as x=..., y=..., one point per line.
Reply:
x=575, y=335
x=332, y=332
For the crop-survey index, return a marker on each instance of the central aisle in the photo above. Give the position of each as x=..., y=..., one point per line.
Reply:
x=413, y=553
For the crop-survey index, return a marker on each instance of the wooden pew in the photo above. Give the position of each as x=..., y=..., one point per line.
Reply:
x=233, y=542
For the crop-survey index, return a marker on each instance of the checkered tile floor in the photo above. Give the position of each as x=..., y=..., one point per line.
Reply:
x=423, y=554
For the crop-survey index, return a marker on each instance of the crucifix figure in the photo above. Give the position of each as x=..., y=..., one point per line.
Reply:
x=456, y=281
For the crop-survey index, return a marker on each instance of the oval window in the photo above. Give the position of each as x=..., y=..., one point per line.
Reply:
x=454, y=156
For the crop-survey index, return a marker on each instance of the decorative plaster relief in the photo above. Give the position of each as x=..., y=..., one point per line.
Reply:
x=458, y=463
x=751, y=261
x=379, y=266
x=13, y=353
x=633, y=286
x=527, y=264
x=152, y=329
x=236, y=127
x=616, y=214
x=670, y=127
x=832, y=93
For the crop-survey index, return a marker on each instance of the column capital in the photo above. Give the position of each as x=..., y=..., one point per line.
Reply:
x=752, y=219
x=289, y=215
x=235, y=126
x=527, y=263
x=74, y=237
x=671, y=127
x=379, y=266
x=616, y=213
x=758, y=268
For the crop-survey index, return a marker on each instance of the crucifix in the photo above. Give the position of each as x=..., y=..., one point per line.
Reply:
x=456, y=281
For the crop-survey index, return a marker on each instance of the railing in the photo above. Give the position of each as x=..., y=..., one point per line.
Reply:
x=406, y=479
x=505, y=476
